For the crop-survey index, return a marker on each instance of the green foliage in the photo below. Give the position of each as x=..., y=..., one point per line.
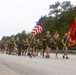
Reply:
x=61, y=17
x=21, y=36
x=60, y=22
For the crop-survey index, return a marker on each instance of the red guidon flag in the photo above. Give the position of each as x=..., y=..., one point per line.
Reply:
x=56, y=34
x=72, y=34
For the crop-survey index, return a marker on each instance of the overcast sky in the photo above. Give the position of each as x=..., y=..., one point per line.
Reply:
x=18, y=15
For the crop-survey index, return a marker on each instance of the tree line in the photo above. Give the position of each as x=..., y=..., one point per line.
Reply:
x=60, y=18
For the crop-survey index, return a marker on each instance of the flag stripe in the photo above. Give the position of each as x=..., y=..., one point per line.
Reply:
x=38, y=28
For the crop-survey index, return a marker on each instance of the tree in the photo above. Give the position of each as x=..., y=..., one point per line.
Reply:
x=55, y=9
x=65, y=5
x=5, y=38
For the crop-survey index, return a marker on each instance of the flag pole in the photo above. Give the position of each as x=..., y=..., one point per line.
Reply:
x=65, y=43
x=30, y=42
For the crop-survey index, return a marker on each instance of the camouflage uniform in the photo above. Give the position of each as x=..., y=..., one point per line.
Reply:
x=11, y=46
x=34, y=47
x=22, y=46
x=39, y=46
x=48, y=44
x=2, y=46
x=64, y=38
x=65, y=46
x=48, y=40
x=18, y=43
x=57, y=43
x=43, y=46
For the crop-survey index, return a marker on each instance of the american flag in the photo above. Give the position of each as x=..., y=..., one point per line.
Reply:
x=38, y=28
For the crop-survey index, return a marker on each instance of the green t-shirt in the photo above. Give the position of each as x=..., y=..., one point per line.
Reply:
x=48, y=38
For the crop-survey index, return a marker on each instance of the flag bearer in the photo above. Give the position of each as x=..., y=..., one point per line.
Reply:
x=65, y=46
x=57, y=43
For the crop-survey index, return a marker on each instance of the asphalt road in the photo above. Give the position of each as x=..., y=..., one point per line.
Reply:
x=23, y=65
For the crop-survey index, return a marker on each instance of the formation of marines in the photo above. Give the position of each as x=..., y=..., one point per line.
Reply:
x=33, y=46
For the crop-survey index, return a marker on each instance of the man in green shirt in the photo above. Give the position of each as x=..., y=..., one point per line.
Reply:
x=48, y=44
x=57, y=43
x=65, y=46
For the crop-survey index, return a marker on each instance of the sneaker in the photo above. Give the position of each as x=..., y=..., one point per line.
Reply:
x=67, y=58
x=47, y=56
x=9, y=53
x=63, y=57
x=33, y=55
x=43, y=56
x=30, y=56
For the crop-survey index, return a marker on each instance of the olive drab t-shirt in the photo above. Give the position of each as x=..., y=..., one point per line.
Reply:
x=48, y=38
x=65, y=41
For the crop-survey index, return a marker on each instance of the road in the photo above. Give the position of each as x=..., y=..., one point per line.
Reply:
x=23, y=65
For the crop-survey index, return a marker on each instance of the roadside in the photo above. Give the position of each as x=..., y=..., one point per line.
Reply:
x=5, y=71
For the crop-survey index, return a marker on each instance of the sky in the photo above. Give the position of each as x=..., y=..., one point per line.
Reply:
x=19, y=15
